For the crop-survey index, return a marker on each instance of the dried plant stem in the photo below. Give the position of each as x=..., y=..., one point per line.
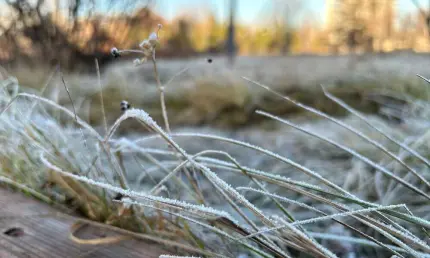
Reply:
x=350, y=151
x=191, y=176
x=101, y=95
x=284, y=199
x=367, y=121
x=27, y=189
x=347, y=127
x=161, y=90
x=73, y=106
x=235, y=207
x=141, y=115
x=42, y=91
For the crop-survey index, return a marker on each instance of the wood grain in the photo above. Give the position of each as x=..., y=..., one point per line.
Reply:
x=48, y=236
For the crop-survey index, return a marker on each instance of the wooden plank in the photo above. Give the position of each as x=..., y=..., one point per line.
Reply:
x=24, y=234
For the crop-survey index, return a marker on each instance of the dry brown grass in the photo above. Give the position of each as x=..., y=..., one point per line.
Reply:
x=211, y=93
x=324, y=183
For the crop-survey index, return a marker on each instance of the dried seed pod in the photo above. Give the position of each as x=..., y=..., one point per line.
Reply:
x=124, y=105
x=115, y=52
x=118, y=197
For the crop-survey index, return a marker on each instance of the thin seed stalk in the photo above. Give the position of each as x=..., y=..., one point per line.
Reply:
x=161, y=90
x=166, y=123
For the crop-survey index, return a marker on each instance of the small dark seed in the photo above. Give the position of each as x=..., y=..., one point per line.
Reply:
x=209, y=60
x=115, y=52
x=118, y=197
x=124, y=105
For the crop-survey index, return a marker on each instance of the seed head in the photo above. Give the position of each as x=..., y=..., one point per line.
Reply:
x=115, y=52
x=153, y=38
x=124, y=105
x=118, y=197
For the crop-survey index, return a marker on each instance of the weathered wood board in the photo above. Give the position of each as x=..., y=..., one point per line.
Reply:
x=24, y=234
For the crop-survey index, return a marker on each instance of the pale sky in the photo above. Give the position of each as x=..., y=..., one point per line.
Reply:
x=248, y=11
x=251, y=11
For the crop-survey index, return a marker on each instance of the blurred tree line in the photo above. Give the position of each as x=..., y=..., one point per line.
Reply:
x=70, y=33
x=74, y=32
x=374, y=26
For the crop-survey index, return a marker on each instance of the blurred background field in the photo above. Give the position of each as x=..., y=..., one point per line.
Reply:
x=352, y=47
x=203, y=93
x=365, y=52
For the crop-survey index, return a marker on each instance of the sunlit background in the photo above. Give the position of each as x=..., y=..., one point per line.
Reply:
x=75, y=31
x=294, y=45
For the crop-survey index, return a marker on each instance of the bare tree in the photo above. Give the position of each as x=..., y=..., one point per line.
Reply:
x=361, y=25
x=57, y=42
x=283, y=17
x=425, y=14
x=231, y=44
